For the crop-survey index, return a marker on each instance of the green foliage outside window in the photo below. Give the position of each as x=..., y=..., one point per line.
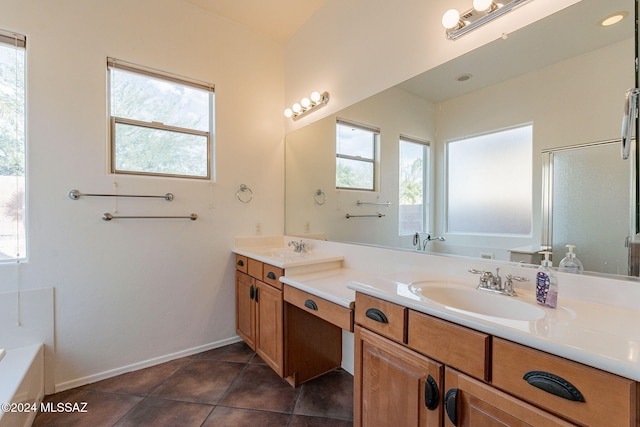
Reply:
x=172, y=123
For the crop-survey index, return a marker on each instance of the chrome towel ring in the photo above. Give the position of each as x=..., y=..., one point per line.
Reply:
x=319, y=197
x=244, y=194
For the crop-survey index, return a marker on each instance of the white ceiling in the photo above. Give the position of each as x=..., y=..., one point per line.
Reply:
x=565, y=34
x=277, y=19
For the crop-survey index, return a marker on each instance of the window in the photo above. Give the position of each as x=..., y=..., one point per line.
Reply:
x=161, y=124
x=356, y=147
x=12, y=147
x=413, y=214
x=489, y=183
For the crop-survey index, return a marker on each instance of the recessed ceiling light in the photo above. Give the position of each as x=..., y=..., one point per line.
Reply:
x=464, y=77
x=612, y=19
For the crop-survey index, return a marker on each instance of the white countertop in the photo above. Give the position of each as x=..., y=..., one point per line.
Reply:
x=328, y=284
x=598, y=335
x=284, y=257
x=585, y=330
x=328, y=281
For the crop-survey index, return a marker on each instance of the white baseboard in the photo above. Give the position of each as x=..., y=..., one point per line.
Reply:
x=348, y=367
x=143, y=364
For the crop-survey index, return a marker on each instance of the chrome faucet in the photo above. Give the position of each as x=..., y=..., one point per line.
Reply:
x=299, y=247
x=429, y=239
x=493, y=283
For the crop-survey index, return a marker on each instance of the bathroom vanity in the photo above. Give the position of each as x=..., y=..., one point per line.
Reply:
x=296, y=332
x=435, y=350
x=429, y=349
x=413, y=368
x=259, y=309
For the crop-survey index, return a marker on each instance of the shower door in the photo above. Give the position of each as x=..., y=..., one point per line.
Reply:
x=589, y=204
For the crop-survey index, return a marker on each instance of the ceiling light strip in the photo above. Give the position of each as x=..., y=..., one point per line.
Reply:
x=478, y=19
x=307, y=105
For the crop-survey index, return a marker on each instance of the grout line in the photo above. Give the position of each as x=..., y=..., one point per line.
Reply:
x=208, y=415
x=130, y=410
x=226, y=392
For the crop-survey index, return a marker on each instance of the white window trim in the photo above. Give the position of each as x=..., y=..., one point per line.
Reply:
x=19, y=41
x=426, y=180
x=374, y=160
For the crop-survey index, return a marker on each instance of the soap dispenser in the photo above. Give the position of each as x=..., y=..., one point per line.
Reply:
x=546, y=283
x=570, y=263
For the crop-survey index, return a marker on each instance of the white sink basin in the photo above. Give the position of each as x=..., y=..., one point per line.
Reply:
x=469, y=300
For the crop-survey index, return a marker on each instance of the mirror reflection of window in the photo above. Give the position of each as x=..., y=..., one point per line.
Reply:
x=356, y=147
x=489, y=183
x=413, y=212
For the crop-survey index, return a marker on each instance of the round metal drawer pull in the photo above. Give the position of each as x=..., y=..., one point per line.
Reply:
x=377, y=315
x=310, y=304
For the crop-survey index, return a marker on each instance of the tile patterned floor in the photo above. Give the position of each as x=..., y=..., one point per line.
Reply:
x=228, y=386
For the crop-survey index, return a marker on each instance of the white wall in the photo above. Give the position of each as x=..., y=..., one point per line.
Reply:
x=131, y=291
x=357, y=48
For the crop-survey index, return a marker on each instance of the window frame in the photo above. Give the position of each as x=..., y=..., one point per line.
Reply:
x=426, y=182
x=117, y=64
x=373, y=161
x=512, y=236
x=19, y=42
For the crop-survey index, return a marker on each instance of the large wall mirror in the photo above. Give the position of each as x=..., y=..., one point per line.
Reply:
x=448, y=174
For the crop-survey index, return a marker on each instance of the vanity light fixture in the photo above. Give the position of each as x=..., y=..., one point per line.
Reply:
x=482, y=12
x=307, y=105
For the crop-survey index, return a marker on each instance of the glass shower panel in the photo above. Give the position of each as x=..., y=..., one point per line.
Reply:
x=582, y=176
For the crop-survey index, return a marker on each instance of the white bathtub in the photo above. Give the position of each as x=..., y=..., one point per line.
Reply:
x=21, y=384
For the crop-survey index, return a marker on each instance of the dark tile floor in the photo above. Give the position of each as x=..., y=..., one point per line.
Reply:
x=228, y=386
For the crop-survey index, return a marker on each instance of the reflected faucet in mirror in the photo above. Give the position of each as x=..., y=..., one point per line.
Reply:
x=299, y=247
x=423, y=246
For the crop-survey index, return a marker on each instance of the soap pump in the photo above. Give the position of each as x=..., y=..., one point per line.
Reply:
x=570, y=263
x=546, y=283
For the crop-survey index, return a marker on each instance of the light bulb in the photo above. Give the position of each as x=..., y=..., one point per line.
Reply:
x=306, y=103
x=288, y=112
x=450, y=19
x=316, y=97
x=482, y=5
x=297, y=108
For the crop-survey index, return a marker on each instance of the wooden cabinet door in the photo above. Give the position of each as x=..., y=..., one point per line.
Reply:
x=471, y=403
x=245, y=310
x=395, y=386
x=269, y=326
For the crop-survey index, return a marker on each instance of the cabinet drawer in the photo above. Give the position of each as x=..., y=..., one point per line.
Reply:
x=242, y=263
x=326, y=310
x=476, y=403
x=255, y=269
x=271, y=274
x=455, y=346
x=386, y=318
x=607, y=399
